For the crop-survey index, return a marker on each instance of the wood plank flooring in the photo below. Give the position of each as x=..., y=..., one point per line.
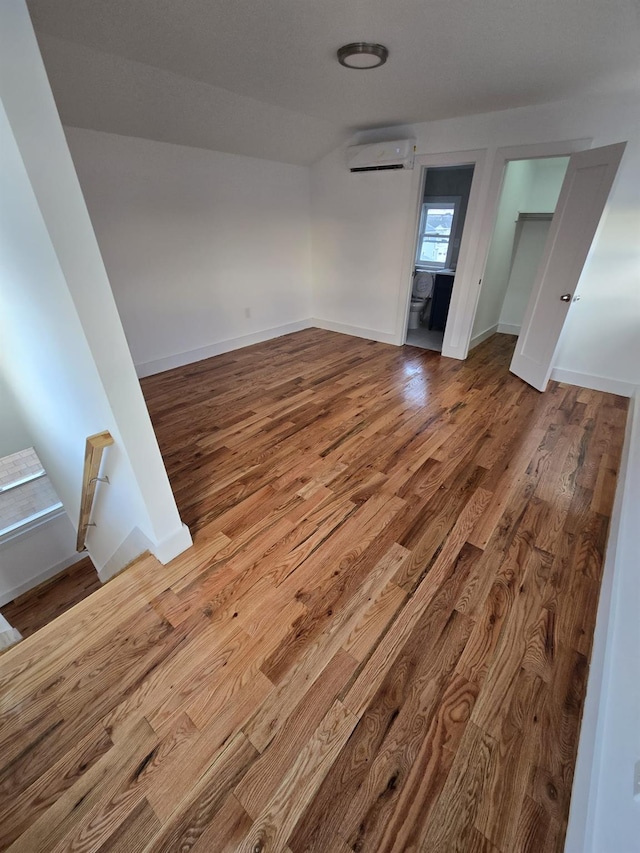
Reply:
x=45, y=602
x=380, y=641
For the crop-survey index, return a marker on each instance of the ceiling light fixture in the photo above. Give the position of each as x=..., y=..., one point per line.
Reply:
x=362, y=54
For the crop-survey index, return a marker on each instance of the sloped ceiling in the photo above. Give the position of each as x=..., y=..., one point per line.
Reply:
x=261, y=78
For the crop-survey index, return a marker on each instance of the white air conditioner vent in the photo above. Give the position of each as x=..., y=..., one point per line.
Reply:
x=381, y=156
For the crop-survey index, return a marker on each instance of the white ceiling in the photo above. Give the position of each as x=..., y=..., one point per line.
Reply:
x=175, y=70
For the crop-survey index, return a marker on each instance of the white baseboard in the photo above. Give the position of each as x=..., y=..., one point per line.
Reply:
x=41, y=577
x=133, y=546
x=149, y=368
x=170, y=547
x=136, y=544
x=8, y=636
x=354, y=331
x=482, y=336
x=595, y=383
x=508, y=329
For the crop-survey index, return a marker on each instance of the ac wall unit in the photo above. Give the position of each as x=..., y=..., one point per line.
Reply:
x=381, y=156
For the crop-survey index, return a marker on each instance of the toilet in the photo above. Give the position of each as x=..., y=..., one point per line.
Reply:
x=420, y=293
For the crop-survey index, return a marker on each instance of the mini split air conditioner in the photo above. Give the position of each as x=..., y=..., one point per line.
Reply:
x=381, y=156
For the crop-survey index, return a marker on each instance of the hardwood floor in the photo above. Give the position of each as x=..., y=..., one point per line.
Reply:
x=41, y=605
x=380, y=641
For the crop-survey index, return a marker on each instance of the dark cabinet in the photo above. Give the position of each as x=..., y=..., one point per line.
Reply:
x=442, y=289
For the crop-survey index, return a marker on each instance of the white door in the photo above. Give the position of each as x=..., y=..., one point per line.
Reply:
x=582, y=199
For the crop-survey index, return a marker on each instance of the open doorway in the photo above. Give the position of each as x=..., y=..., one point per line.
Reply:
x=443, y=210
x=528, y=200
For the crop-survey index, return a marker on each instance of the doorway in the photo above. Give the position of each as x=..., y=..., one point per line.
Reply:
x=443, y=211
x=528, y=200
x=583, y=195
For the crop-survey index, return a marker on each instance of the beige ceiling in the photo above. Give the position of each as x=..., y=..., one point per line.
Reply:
x=260, y=76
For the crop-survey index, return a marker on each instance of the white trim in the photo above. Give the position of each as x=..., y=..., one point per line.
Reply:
x=587, y=777
x=354, y=331
x=8, y=636
x=595, y=383
x=28, y=479
x=45, y=575
x=27, y=524
x=168, y=548
x=475, y=158
x=133, y=546
x=508, y=329
x=136, y=544
x=149, y=368
x=482, y=336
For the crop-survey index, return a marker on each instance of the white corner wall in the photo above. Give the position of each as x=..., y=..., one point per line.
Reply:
x=528, y=254
x=13, y=430
x=63, y=348
x=362, y=226
x=204, y=250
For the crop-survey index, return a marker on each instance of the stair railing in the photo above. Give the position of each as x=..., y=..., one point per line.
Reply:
x=94, y=449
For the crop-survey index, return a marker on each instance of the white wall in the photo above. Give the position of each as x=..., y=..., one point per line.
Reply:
x=64, y=351
x=13, y=430
x=358, y=240
x=366, y=224
x=617, y=817
x=529, y=243
x=515, y=189
x=32, y=556
x=201, y=247
x=547, y=176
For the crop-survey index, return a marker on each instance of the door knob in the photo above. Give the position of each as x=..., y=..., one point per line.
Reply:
x=566, y=297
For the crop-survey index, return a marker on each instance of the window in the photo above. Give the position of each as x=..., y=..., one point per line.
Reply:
x=25, y=491
x=435, y=236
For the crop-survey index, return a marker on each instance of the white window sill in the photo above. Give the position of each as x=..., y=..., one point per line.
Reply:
x=29, y=479
x=27, y=524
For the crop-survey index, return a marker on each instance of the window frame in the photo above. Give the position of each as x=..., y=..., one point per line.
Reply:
x=428, y=202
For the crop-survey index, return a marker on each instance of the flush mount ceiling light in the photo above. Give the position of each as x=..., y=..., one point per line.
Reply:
x=362, y=54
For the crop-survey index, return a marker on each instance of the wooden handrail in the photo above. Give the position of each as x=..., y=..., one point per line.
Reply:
x=92, y=458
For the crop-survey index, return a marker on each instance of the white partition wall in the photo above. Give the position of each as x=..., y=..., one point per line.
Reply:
x=64, y=352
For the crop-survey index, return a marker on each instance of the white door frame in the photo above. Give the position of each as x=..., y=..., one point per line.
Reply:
x=466, y=291
x=475, y=158
x=577, y=219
